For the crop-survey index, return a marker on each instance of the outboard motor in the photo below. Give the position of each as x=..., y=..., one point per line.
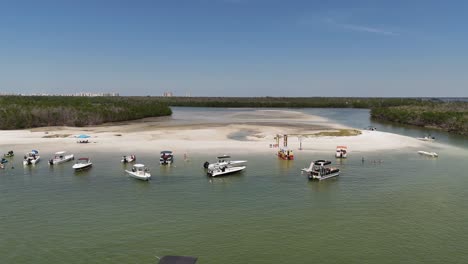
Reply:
x=206, y=164
x=51, y=162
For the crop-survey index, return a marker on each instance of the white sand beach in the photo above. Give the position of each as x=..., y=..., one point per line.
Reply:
x=237, y=132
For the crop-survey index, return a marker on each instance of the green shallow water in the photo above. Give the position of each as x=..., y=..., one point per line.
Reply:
x=408, y=209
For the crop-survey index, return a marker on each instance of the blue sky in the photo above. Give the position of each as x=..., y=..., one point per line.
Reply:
x=235, y=47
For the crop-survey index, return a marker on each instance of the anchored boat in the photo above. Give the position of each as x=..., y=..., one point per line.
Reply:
x=61, y=157
x=430, y=154
x=224, y=166
x=224, y=160
x=286, y=154
x=82, y=163
x=320, y=170
x=128, y=159
x=140, y=172
x=341, y=152
x=31, y=158
x=166, y=157
x=9, y=154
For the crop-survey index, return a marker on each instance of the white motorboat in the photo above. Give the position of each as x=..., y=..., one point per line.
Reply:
x=61, y=157
x=224, y=160
x=31, y=158
x=128, y=159
x=319, y=170
x=166, y=157
x=430, y=154
x=82, y=163
x=426, y=138
x=140, y=172
x=224, y=169
x=341, y=152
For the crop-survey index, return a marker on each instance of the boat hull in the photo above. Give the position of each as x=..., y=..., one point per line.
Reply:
x=429, y=154
x=82, y=166
x=60, y=161
x=32, y=161
x=138, y=176
x=128, y=160
x=323, y=177
x=229, y=170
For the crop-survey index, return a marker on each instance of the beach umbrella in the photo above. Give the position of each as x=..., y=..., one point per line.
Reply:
x=83, y=136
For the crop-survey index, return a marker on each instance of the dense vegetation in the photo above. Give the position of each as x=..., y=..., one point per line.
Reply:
x=26, y=111
x=449, y=116
x=18, y=112
x=288, y=102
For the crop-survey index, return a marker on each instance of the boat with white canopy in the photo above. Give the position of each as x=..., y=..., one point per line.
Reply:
x=31, y=158
x=140, y=172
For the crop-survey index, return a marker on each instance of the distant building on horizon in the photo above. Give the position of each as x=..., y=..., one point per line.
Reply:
x=167, y=94
x=75, y=94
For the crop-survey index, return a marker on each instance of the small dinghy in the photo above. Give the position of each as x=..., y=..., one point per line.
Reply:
x=128, y=159
x=9, y=154
x=82, y=163
x=429, y=154
x=140, y=172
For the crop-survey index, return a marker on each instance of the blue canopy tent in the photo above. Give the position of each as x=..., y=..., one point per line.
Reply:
x=82, y=136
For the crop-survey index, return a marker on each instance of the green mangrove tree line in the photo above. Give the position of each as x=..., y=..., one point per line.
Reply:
x=17, y=112
x=449, y=116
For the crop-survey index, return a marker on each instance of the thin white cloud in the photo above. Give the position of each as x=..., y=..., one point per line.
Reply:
x=368, y=29
x=360, y=28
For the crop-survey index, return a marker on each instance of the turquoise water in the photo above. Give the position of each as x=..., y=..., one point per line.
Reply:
x=407, y=209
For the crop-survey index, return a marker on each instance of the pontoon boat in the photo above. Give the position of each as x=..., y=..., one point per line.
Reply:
x=318, y=170
x=341, y=152
x=166, y=157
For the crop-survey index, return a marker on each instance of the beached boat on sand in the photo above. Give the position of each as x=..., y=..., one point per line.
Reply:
x=430, y=154
x=140, y=172
x=319, y=170
x=82, y=163
x=426, y=138
x=61, y=157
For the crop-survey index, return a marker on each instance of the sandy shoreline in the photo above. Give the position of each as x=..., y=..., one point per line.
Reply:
x=246, y=132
